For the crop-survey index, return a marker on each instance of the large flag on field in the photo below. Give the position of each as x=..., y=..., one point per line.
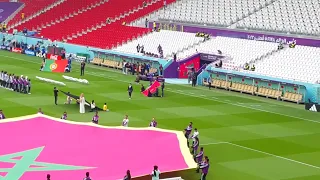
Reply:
x=152, y=88
x=55, y=65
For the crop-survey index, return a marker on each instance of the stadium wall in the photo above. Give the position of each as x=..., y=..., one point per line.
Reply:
x=242, y=34
x=309, y=91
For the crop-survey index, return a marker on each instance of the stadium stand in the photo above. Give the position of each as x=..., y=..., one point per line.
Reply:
x=66, y=9
x=33, y=8
x=213, y=12
x=171, y=42
x=294, y=16
x=107, y=26
x=291, y=65
x=240, y=50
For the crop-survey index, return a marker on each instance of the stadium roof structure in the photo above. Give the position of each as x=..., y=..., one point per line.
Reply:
x=36, y=145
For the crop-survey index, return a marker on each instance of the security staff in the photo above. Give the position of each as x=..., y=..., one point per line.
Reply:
x=55, y=93
x=82, y=66
x=162, y=89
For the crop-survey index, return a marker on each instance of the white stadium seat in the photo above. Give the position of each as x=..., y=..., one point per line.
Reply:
x=171, y=42
x=287, y=16
x=212, y=12
x=300, y=63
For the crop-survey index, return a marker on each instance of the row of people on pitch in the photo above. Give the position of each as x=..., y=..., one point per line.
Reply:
x=125, y=121
x=203, y=163
x=11, y=81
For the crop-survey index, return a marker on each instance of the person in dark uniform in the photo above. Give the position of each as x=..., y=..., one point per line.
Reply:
x=128, y=175
x=130, y=90
x=48, y=177
x=82, y=66
x=162, y=89
x=87, y=176
x=194, y=78
x=55, y=93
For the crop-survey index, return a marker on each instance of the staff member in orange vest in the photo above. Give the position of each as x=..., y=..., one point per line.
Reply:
x=22, y=16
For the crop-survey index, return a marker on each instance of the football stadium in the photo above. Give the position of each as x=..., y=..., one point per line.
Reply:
x=160, y=89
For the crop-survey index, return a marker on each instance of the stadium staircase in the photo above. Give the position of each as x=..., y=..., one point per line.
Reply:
x=32, y=9
x=234, y=23
x=266, y=55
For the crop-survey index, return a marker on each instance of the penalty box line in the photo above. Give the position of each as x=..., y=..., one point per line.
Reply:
x=262, y=152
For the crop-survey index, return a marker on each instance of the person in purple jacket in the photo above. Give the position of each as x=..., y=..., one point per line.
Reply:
x=195, y=146
x=2, y=115
x=205, y=168
x=64, y=116
x=40, y=111
x=188, y=132
x=198, y=158
x=95, y=118
x=153, y=123
x=14, y=83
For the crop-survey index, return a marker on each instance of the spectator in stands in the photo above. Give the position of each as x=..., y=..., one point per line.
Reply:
x=22, y=16
x=1, y=26
x=253, y=68
x=142, y=49
x=147, y=23
x=48, y=177
x=127, y=176
x=138, y=48
x=164, y=4
x=219, y=52
x=2, y=115
x=159, y=48
x=87, y=176
x=144, y=3
x=4, y=27
x=292, y=44
x=154, y=26
x=280, y=46
x=246, y=66
x=155, y=173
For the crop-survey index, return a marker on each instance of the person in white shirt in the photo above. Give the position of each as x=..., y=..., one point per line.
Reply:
x=125, y=121
x=93, y=105
x=195, y=134
x=155, y=173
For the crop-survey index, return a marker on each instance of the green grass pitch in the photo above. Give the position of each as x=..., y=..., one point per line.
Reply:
x=245, y=137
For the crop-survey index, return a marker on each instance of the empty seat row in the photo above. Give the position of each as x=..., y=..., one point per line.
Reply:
x=254, y=90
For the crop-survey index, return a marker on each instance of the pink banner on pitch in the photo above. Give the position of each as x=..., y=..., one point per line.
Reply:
x=152, y=88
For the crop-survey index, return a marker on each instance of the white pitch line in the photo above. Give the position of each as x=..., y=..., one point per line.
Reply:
x=207, y=144
x=234, y=104
x=269, y=154
x=262, y=152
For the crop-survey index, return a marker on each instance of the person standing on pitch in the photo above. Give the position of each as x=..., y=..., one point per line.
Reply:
x=162, y=89
x=130, y=90
x=82, y=66
x=55, y=93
